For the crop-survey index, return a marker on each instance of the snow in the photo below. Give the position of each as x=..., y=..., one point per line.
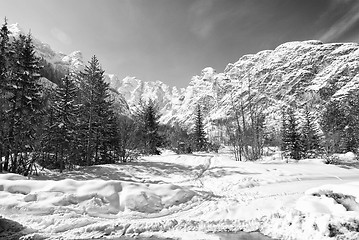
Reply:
x=186, y=197
x=92, y=196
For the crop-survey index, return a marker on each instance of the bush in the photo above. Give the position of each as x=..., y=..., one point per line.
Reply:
x=183, y=148
x=331, y=159
x=213, y=147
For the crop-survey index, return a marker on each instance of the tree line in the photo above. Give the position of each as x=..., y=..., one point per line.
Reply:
x=75, y=121
x=302, y=132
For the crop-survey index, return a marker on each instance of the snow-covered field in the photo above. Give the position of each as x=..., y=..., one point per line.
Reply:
x=184, y=197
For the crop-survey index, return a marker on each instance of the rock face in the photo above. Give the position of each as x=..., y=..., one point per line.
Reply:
x=43, y=50
x=135, y=90
x=295, y=73
x=296, y=68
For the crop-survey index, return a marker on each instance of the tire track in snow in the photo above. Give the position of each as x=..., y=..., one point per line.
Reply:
x=205, y=197
x=203, y=169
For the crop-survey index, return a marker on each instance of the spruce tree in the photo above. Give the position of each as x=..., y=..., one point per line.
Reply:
x=147, y=120
x=62, y=124
x=48, y=143
x=97, y=115
x=4, y=72
x=107, y=120
x=310, y=135
x=333, y=123
x=351, y=130
x=284, y=132
x=126, y=138
x=199, y=134
x=25, y=101
x=291, y=138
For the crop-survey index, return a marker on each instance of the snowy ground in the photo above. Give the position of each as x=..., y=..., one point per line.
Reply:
x=184, y=197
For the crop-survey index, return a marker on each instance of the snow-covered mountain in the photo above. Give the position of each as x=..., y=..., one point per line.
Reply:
x=297, y=73
x=73, y=61
x=134, y=90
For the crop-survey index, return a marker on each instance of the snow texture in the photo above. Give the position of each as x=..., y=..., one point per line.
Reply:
x=186, y=197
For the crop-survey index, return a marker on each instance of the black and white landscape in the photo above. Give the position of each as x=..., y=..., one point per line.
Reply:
x=267, y=144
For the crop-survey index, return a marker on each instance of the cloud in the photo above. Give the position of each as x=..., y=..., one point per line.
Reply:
x=61, y=36
x=342, y=25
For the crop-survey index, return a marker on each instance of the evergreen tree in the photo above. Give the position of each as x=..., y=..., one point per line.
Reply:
x=291, y=139
x=106, y=136
x=4, y=71
x=97, y=115
x=351, y=129
x=4, y=57
x=25, y=102
x=50, y=72
x=146, y=118
x=48, y=144
x=310, y=135
x=199, y=134
x=126, y=138
x=62, y=124
x=284, y=132
x=339, y=125
x=176, y=138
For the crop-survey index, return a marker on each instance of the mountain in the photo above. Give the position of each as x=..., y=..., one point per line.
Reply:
x=295, y=73
x=43, y=50
x=73, y=61
x=301, y=73
x=134, y=90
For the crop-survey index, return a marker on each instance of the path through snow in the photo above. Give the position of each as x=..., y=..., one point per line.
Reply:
x=179, y=196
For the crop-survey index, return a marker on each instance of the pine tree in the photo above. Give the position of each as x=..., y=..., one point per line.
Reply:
x=97, y=114
x=126, y=138
x=291, y=139
x=48, y=144
x=351, y=130
x=333, y=123
x=284, y=132
x=146, y=118
x=310, y=135
x=25, y=102
x=62, y=125
x=4, y=71
x=4, y=57
x=199, y=134
x=106, y=117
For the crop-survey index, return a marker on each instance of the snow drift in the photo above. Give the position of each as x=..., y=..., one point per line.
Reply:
x=91, y=196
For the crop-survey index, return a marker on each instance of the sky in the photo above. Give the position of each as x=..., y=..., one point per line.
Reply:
x=172, y=40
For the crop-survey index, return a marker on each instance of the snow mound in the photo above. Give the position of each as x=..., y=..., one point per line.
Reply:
x=94, y=197
x=346, y=157
x=331, y=199
x=11, y=176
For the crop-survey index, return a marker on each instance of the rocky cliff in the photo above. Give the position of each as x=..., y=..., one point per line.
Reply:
x=295, y=73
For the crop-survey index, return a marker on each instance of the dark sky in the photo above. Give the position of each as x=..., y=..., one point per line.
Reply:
x=172, y=40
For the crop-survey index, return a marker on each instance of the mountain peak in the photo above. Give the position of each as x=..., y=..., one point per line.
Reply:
x=208, y=73
x=15, y=29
